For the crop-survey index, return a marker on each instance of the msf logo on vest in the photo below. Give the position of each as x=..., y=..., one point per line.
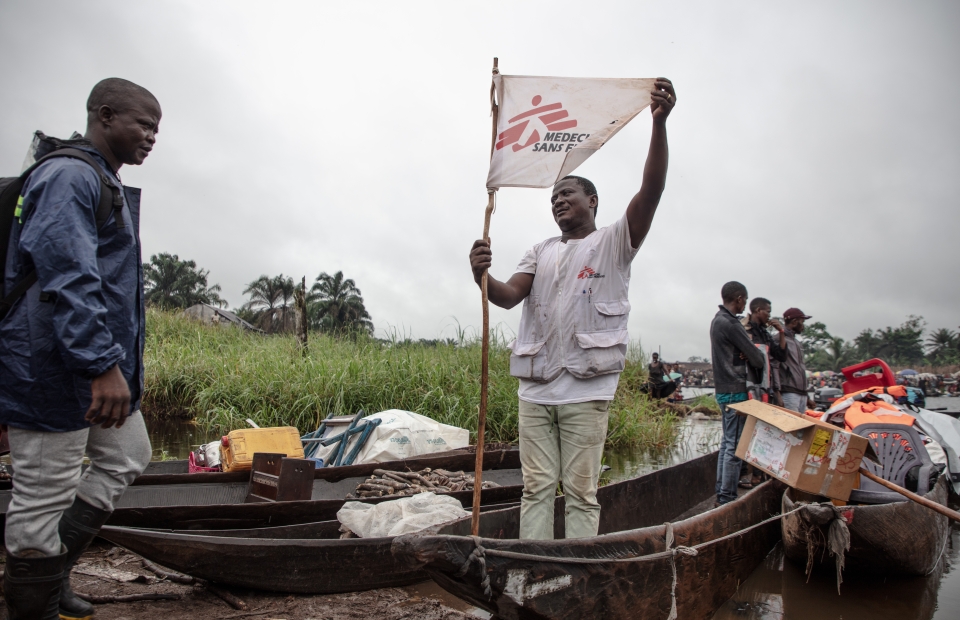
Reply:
x=525, y=128
x=587, y=273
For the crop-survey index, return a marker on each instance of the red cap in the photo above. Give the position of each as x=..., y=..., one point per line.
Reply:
x=795, y=313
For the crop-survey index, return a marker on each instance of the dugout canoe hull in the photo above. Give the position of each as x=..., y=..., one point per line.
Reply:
x=308, y=558
x=208, y=501
x=902, y=538
x=632, y=525
x=299, y=566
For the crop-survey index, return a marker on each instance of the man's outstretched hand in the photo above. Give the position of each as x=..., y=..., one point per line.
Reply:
x=111, y=399
x=481, y=257
x=664, y=98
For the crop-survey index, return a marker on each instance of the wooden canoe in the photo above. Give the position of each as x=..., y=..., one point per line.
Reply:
x=901, y=538
x=543, y=579
x=307, y=558
x=207, y=501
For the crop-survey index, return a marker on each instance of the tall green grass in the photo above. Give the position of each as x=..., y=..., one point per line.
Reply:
x=221, y=376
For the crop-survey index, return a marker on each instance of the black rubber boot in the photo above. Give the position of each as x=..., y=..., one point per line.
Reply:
x=31, y=585
x=78, y=527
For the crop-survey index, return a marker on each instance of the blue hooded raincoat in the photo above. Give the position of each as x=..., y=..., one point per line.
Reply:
x=93, y=313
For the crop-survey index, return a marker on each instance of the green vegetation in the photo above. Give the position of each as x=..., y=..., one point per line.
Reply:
x=333, y=305
x=173, y=283
x=705, y=403
x=270, y=307
x=903, y=345
x=221, y=375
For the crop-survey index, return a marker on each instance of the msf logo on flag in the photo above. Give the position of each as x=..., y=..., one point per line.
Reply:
x=553, y=117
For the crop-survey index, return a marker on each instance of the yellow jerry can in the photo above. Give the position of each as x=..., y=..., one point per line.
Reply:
x=238, y=447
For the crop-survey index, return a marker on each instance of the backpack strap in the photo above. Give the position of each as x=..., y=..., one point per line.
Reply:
x=111, y=200
x=111, y=196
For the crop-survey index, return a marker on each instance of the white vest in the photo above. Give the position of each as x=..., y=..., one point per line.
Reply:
x=575, y=317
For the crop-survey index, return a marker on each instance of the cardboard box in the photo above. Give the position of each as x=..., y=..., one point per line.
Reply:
x=804, y=453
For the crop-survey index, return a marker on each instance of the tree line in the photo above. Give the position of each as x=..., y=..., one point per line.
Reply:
x=904, y=345
x=333, y=302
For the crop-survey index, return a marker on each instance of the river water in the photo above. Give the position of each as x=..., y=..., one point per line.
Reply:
x=777, y=590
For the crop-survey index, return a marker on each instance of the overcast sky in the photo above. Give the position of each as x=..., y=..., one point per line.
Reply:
x=815, y=146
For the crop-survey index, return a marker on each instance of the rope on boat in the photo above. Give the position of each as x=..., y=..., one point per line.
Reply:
x=673, y=567
x=837, y=538
x=946, y=540
x=479, y=554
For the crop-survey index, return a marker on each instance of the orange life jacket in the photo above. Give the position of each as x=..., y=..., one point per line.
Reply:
x=878, y=412
x=897, y=391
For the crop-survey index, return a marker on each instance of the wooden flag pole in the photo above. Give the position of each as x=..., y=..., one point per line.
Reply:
x=485, y=342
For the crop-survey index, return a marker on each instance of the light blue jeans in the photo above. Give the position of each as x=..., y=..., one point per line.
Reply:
x=794, y=402
x=728, y=465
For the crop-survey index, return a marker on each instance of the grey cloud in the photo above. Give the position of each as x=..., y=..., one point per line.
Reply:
x=814, y=149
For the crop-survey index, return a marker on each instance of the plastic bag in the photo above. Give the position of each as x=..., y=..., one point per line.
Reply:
x=402, y=435
x=205, y=458
x=400, y=516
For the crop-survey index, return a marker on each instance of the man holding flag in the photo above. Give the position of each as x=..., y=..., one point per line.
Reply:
x=573, y=336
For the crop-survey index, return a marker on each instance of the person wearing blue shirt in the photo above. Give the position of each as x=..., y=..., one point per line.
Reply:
x=71, y=353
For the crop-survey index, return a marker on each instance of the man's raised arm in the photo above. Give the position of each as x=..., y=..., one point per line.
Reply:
x=642, y=208
x=504, y=294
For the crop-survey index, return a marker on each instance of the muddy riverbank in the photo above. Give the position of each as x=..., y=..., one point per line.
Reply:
x=108, y=571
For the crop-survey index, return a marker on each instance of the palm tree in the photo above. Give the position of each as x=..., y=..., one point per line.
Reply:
x=271, y=298
x=839, y=353
x=173, y=283
x=942, y=343
x=336, y=305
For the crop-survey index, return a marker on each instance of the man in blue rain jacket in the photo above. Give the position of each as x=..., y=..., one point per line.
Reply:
x=71, y=353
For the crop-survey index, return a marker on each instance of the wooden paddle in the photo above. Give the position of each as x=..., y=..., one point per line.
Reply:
x=953, y=514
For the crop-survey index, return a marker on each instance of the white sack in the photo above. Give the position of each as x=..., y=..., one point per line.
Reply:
x=548, y=125
x=946, y=431
x=400, y=516
x=402, y=435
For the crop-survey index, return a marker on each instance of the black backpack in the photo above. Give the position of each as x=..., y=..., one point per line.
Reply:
x=111, y=200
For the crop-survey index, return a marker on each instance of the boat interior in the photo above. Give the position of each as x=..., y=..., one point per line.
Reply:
x=207, y=494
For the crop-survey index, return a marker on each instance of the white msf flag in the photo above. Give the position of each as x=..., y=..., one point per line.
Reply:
x=548, y=125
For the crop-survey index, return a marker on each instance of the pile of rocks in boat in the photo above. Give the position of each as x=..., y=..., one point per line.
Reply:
x=385, y=483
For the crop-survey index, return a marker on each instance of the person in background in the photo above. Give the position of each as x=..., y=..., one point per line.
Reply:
x=756, y=324
x=793, y=372
x=657, y=385
x=731, y=351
